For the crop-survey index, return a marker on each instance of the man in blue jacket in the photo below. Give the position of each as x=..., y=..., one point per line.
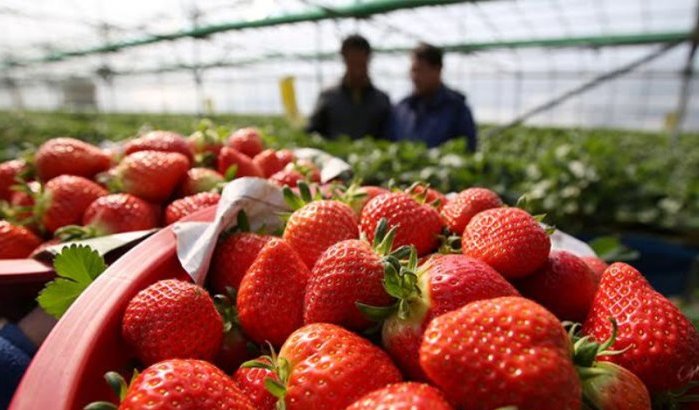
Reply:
x=433, y=113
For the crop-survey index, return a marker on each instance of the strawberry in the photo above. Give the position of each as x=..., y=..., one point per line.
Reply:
x=205, y=142
x=292, y=173
x=597, y=265
x=663, y=345
x=426, y=195
x=188, y=205
x=115, y=213
x=247, y=141
x=251, y=381
x=271, y=161
x=465, y=205
x=508, y=239
x=9, y=170
x=442, y=284
x=68, y=156
x=150, y=175
x=64, y=201
x=163, y=141
x=172, y=319
x=232, y=258
x=323, y=366
x=348, y=272
x=606, y=385
x=357, y=196
x=314, y=226
x=270, y=298
x=403, y=396
x=611, y=387
x=201, y=180
x=506, y=351
x=416, y=224
x=565, y=286
x=16, y=242
x=244, y=167
x=184, y=384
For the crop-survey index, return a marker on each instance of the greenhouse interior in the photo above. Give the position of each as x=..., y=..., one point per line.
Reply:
x=349, y=204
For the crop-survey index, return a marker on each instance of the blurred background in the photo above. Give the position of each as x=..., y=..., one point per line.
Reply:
x=214, y=56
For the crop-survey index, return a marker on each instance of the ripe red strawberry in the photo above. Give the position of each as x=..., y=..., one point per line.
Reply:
x=247, y=141
x=565, y=286
x=251, y=381
x=317, y=225
x=151, y=175
x=444, y=283
x=348, y=272
x=330, y=368
x=233, y=257
x=9, y=170
x=244, y=167
x=295, y=172
x=426, y=195
x=68, y=156
x=403, y=396
x=508, y=239
x=184, y=384
x=188, y=205
x=663, y=345
x=271, y=161
x=22, y=200
x=64, y=201
x=172, y=319
x=287, y=177
x=416, y=224
x=163, y=141
x=200, y=180
x=16, y=242
x=501, y=352
x=117, y=213
x=459, y=211
x=270, y=298
x=597, y=265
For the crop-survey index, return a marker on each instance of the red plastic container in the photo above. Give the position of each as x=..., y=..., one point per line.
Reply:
x=67, y=371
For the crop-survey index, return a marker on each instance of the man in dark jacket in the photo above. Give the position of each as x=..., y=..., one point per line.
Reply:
x=433, y=113
x=353, y=107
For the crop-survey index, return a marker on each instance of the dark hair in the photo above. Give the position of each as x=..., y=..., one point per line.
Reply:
x=430, y=54
x=355, y=42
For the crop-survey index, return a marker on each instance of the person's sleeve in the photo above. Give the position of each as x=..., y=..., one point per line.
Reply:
x=318, y=121
x=466, y=126
x=16, y=352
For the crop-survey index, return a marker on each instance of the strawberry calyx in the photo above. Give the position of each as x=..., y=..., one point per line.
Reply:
x=449, y=243
x=585, y=352
x=225, y=306
x=303, y=198
x=419, y=191
x=118, y=385
x=401, y=281
x=76, y=232
x=351, y=195
x=280, y=367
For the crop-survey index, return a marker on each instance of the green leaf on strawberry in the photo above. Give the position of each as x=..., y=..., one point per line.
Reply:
x=77, y=266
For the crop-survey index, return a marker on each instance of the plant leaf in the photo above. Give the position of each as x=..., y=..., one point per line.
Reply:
x=77, y=266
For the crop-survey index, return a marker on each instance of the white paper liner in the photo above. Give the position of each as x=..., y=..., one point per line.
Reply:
x=261, y=200
x=564, y=242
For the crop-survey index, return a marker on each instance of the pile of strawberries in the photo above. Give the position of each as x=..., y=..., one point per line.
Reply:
x=388, y=299
x=69, y=189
